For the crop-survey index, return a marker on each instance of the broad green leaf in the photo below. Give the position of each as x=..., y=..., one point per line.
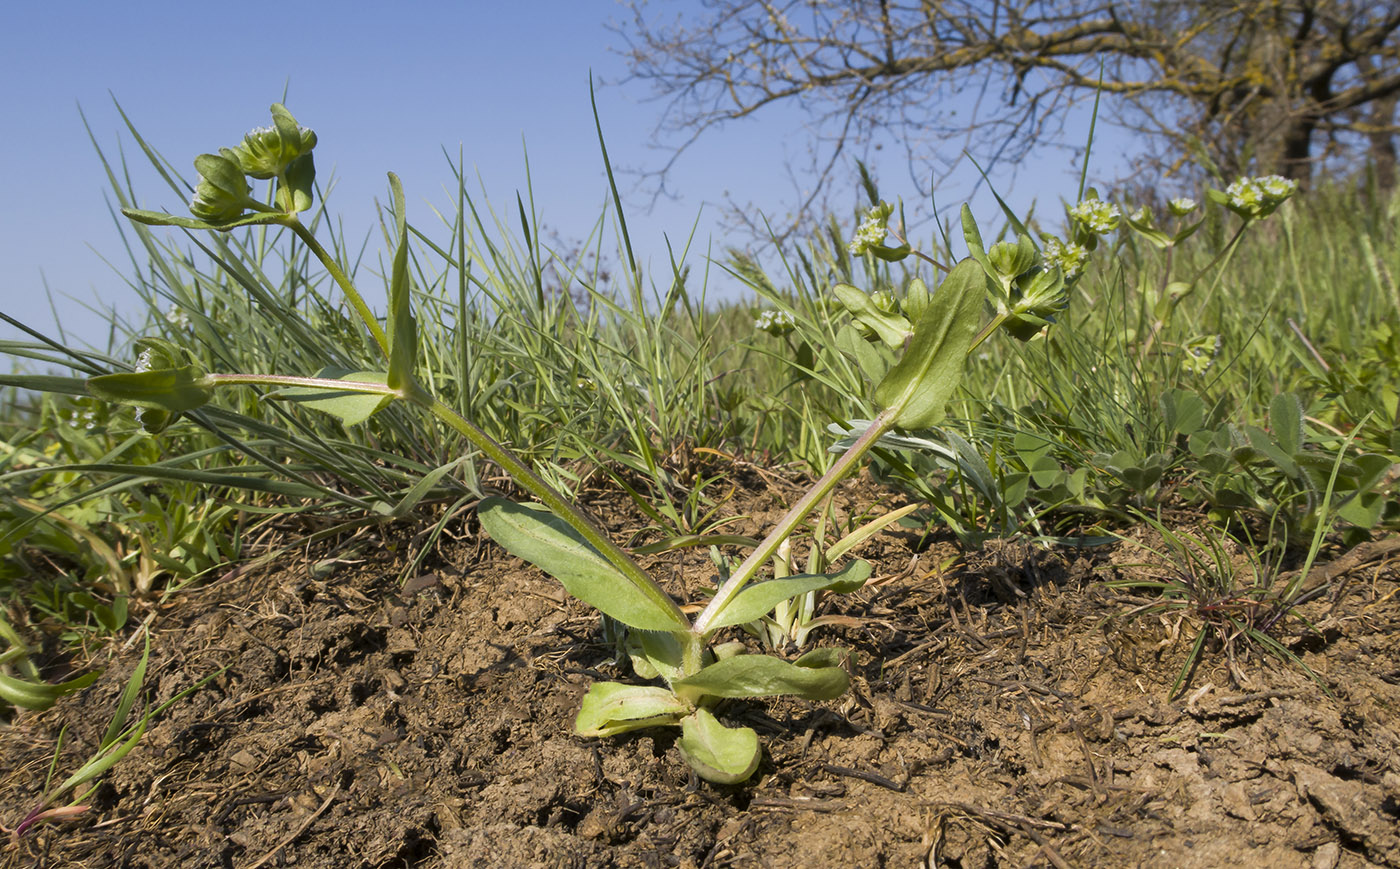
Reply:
x=1265, y=444
x=1183, y=411
x=1046, y=472
x=916, y=299
x=920, y=384
x=759, y=599
x=892, y=329
x=351, y=405
x=1286, y=419
x=403, y=331
x=719, y=754
x=826, y=656
x=610, y=708
x=550, y=544
x=763, y=676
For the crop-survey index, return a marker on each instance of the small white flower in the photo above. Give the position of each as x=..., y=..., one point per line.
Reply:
x=144, y=361
x=775, y=323
x=870, y=233
x=177, y=317
x=1142, y=215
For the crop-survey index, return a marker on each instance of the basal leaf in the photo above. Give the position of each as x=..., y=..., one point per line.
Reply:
x=610, y=708
x=763, y=676
x=550, y=544
x=719, y=754
x=1286, y=420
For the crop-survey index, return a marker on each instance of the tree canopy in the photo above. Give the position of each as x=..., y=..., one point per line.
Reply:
x=1269, y=86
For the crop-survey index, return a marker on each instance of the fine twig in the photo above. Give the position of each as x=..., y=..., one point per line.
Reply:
x=292, y=837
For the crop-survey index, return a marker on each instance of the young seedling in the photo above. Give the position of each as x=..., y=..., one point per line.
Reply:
x=932, y=337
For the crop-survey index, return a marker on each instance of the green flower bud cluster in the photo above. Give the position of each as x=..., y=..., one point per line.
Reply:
x=222, y=192
x=775, y=323
x=1036, y=296
x=281, y=152
x=1254, y=198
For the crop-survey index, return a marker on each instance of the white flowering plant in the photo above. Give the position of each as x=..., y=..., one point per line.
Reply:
x=698, y=672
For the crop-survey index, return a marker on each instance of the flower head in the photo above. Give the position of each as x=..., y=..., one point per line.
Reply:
x=1096, y=216
x=871, y=232
x=1069, y=257
x=1259, y=197
x=775, y=323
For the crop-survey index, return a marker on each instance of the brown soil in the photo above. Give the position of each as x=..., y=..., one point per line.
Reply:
x=1004, y=712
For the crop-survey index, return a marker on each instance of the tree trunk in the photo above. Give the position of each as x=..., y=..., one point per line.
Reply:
x=1382, y=141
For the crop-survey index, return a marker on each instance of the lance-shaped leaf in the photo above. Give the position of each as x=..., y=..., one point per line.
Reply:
x=719, y=754
x=759, y=599
x=610, y=708
x=352, y=405
x=764, y=676
x=919, y=385
x=550, y=544
x=403, y=331
x=160, y=218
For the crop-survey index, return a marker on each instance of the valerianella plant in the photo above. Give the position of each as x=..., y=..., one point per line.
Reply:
x=930, y=331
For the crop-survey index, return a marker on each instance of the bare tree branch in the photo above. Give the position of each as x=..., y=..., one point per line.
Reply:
x=1243, y=83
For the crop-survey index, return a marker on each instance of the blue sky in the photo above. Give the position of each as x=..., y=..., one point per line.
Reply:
x=384, y=90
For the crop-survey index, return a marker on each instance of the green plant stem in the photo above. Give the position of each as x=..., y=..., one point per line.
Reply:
x=365, y=386
x=879, y=427
x=356, y=300
x=495, y=452
x=551, y=498
x=987, y=331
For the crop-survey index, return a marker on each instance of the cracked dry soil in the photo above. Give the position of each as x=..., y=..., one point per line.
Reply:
x=1003, y=712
